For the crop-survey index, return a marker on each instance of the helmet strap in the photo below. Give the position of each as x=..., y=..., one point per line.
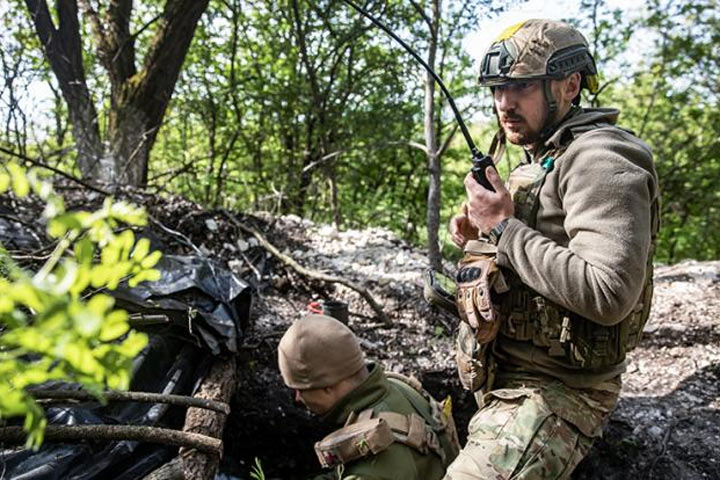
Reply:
x=498, y=145
x=551, y=121
x=551, y=102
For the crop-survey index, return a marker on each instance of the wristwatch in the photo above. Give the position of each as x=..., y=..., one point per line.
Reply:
x=497, y=231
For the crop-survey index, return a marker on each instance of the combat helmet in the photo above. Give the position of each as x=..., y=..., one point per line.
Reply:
x=539, y=49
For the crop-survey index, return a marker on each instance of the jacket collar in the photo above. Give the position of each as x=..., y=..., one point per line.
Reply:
x=576, y=117
x=371, y=391
x=583, y=116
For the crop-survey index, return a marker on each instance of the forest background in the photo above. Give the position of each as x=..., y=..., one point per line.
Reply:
x=303, y=107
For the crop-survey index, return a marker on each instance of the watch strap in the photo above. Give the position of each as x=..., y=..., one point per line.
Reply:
x=497, y=231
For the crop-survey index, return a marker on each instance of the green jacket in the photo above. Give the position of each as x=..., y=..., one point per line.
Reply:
x=398, y=461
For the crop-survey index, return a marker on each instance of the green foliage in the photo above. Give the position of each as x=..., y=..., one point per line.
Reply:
x=672, y=102
x=56, y=323
x=303, y=107
x=257, y=473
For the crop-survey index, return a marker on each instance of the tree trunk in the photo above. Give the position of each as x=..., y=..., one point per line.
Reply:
x=62, y=48
x=431, y=144
x=138, y=100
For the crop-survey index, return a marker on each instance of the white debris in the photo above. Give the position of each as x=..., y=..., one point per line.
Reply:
x=211, y=225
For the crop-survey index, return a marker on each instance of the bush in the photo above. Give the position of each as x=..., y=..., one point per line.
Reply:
x=56, y=323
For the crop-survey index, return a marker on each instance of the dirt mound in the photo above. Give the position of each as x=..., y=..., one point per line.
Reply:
x=667, y=425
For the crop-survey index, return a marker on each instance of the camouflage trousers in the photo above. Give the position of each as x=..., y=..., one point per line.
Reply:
x=533, y=429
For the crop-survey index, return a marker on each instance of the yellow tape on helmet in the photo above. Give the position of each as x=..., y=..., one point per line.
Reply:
x=592, y=83
x=510, y=31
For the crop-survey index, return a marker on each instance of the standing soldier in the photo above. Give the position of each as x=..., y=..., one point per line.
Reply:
x=556, y=283
x=388, y=426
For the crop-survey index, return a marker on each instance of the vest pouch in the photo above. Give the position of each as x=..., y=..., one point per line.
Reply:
x=473, y=361
x=516, y=309
x=367, y=437
x=595, y=346
x=441, y=420
x=638, y=317
x=524, y=184
x=552, y=328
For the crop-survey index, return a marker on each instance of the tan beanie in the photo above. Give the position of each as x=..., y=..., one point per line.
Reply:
x=318, y=351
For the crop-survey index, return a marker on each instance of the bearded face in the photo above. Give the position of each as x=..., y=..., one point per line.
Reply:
x=522, y=110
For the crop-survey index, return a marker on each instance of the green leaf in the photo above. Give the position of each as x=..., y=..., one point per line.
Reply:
x=126, y=239
x=84, y=251
x=110, y=254
x=87, y=322
x=99, y=275
x=7, y=304
x=100, y=303
x=20, y=183
x=81, y=281
x=28, y=295
x=117, y=273
x=4, y=181
x=60, y=225
x=128, y=213
x=133, y=344
x=151, y=260
x=142, y=247
x=145, y=275
x=114, y=326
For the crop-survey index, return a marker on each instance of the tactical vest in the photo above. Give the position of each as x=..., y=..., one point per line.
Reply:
x=528, y=316
x=369, y=433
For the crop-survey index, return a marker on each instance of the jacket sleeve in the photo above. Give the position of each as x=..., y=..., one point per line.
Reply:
x=606, y=186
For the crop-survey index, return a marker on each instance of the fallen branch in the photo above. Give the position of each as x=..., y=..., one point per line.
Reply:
x=308, y=272
x=166, y=436
x=141, y=397
x=169, y=230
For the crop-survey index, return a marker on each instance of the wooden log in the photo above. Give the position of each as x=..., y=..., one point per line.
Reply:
x=170, y=471
x=218, y=385
x=54, y=396
x=80, y=433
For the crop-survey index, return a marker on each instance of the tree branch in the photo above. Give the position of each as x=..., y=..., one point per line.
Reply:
x=104, y=48
x=113, y=433
x=218, y=384
x=447, y=141
x=308, y=272
x=40, y=164
x=140, y=397
x=421, y=11
x=63, y=50
x=330, y=156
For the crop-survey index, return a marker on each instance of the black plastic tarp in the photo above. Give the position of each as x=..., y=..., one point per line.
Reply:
x=202, y=300
x=208, y=308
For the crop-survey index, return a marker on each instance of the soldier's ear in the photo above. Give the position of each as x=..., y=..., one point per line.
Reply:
x=572, y=85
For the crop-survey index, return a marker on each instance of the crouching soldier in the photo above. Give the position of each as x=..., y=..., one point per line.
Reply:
x=389, y=427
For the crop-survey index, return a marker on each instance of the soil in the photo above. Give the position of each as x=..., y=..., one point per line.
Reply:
x=667, y=424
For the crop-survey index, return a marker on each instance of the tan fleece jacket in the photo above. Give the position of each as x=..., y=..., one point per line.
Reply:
x=588, y=251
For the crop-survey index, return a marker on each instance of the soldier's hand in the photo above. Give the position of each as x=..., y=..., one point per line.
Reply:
x=461, y=230
x=485, y=208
